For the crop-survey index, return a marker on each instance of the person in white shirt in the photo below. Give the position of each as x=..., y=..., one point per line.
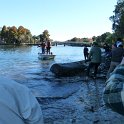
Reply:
x=17, y=104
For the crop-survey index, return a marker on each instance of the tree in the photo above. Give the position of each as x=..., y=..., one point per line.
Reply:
x=44, y=36
x=12, y=35
x=105, y=38
x=74, y=39
x=85, y=40
x=94, y=38
x=118, y=19
x=4, y=32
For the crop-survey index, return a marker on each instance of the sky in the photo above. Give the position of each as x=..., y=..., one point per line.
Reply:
x=64, y=19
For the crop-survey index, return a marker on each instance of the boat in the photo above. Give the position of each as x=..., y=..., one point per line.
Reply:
x=68, y=69
x=45, y=56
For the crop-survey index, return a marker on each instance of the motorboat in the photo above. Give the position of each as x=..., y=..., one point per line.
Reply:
x=45, y=56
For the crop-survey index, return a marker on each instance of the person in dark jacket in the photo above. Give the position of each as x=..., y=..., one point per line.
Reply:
x=43, y=47
x=48, y=47
x=117, y=55
x=95, y=57
x=86, y=52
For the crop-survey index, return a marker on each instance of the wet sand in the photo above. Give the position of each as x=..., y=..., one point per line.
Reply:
x=72, y=100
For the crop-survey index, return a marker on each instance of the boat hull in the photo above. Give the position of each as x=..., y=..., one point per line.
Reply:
x=45, y=56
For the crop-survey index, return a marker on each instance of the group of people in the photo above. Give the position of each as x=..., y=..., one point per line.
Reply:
x=19, y=106
x=113, y=94
x=94, y=56
x=117, y=53
x=45, y=47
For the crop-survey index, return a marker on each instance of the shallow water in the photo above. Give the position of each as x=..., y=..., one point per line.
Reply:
x=64, y=100
x=26, y=57
x=21, y=63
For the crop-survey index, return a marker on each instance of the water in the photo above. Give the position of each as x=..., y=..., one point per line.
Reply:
x=19, y=60
x=21, y=63
x=64, y=99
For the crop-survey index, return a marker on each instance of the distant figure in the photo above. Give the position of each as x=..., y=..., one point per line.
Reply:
x=95, y=57
x=117, y=54
x=107, y=49
x=86, y=52
x=17, y=104
x=48, y=46
x=43, y=47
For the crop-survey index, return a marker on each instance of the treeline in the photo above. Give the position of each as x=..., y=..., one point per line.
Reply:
x=21, y=35
x=104, y=38
x=117, y=27
x=14, y=35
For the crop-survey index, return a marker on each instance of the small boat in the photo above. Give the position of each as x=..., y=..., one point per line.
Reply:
x=45, y=56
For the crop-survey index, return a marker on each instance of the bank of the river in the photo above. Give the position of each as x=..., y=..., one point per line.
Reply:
x=64, y=100
x=72, y=100
x=79, y=44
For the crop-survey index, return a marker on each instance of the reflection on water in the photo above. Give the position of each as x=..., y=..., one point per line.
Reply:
x=20, y=59
x=21, y=63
